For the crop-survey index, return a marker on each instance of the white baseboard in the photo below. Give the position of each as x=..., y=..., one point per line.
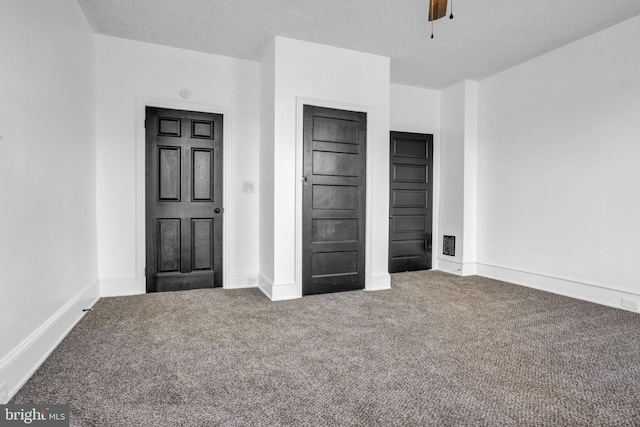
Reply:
x=120, y=286
x=456, y=267
x=242, y=280
x=284, y=291
x=265, y=284
x=579, y=289
x=448, y=266
x=469, y=268
x=379, y=282
x=22, y=362
x=278, y=291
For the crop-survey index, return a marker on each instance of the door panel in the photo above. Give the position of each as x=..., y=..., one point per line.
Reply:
x=169, y=245
x=333, y=200
x=334, y=230
x=410, y=173
x=336, y=164
x=203, y=172
x=169, y=173
x=202, y=244
x=335, y=129
x=410, y=204
x=332, y=263
x=183, y=191
x=333, y=197
x=408, y=199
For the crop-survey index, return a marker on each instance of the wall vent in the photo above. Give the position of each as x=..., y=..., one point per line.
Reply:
x=449, y=245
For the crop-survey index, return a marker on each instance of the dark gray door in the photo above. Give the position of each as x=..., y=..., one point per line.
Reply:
x=183, y=199
x=410, y=204
x=333, y=205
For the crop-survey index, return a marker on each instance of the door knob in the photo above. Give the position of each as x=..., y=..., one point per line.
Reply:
x=218, y=210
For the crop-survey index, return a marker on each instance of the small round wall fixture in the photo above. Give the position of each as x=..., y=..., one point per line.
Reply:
x=185, y=93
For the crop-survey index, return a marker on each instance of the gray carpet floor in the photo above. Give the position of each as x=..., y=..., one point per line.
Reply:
x=436, y=350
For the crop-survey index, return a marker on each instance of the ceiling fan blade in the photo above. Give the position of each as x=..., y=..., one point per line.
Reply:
x=437, y=9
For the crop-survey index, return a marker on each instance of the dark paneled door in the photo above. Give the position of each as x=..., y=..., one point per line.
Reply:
x=333, y=200
x=183, y=200
x=410, y=204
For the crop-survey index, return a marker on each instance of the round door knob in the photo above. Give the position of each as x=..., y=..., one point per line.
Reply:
x=218, y=210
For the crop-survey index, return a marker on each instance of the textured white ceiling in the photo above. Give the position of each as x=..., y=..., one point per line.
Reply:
x=485, y=37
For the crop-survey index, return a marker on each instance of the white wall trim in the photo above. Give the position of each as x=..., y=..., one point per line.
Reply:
x=285, y=291
x=141, y=103
x=120, y=286
x=242, y=280
x=379, y=282
x=456, y=267
x=266, y=285
x=22, y=362
x=278, y=291
x=570, y=287
x=435, y=214
x=469, y=268
x=300, y=103
x=450, y=266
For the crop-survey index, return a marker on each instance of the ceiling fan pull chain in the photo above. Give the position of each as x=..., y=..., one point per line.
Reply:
x=432, y=16
x=451, y=16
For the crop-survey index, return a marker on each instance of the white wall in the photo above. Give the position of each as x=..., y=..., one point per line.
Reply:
x=559, y=168
x=452, y=172
x=414, y=109
x=48, y=260
x=470, y=221
x=458, y=175
x=267, y=123
x=338, y=78
x=131, y=74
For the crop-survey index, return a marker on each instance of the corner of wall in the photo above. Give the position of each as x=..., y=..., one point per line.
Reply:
x=379, y=282
x=285, y=291
x=242, y=280
x=457, y=214
x=122, y=286
x=21, y=363
x=265, y=284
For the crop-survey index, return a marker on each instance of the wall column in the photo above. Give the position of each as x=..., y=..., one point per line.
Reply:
x=458, y=176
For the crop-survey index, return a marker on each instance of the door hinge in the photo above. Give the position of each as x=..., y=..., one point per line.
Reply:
x=145, y=123
x=145, y=272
